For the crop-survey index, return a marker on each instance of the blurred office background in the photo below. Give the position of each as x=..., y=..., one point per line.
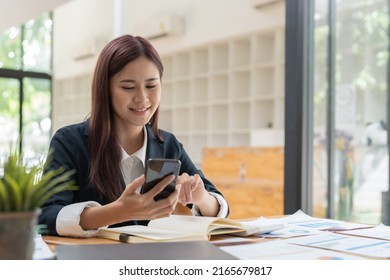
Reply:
x=226, y=90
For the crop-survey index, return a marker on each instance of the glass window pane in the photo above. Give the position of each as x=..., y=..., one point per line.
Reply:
x=9, y=116
x=361, y=85
x=10, y=48
x=320, y=159
x=36, y=118
x=37, y=44
x=361, y=153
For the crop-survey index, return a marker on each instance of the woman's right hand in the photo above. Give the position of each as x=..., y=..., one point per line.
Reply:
x=132, y=206
x=135, y=206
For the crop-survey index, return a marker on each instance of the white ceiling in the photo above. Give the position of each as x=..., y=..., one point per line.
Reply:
x=17, y=12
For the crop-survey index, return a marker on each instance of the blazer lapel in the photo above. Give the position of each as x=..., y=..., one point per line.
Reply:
x=155, y=147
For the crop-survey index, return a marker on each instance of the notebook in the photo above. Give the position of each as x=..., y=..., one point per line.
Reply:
x=186, y=228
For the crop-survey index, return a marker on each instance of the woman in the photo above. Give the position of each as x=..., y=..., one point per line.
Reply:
x=109, y=150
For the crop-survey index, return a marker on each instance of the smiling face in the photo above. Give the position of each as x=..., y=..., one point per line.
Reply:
x=135, y=94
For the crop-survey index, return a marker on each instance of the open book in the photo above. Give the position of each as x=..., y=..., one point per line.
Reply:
x=185, y=228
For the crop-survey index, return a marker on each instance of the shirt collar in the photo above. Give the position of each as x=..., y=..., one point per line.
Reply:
x=141, y=153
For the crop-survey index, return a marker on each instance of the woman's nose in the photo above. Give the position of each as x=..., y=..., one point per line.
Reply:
x=140, y=96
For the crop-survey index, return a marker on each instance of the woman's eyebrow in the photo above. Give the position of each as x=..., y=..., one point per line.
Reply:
x=127, y=81
x=133, y=81
x=151, y=79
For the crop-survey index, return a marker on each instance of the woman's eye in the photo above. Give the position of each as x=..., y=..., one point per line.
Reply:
x=128, y=88
x=150, y=86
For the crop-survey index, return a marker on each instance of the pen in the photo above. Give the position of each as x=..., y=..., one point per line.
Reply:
x=123, y=237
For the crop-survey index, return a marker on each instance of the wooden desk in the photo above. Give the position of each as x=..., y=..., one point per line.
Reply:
x=261, y=247
x=52, y=241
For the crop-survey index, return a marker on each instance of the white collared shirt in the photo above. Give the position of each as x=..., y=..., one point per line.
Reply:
x=133, y=166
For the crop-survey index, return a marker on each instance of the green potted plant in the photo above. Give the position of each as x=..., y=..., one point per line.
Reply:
x=23, y=190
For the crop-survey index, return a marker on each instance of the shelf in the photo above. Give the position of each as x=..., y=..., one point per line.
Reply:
x=166, y=94
x=200, y=61
x=240, y=139
x=168, y=67
x=219, y=57
x=181, y=92
x=181, y=120
x=263, y=114
x=263, y=81
x=241, y=52
x=219, y=87
x=240, y=84
x=216, y=95
x=165, y=120
x=219, y=117
x=199, y=119
x=263, y=48
x=181, y=66
x=199, y=90
x=239, y=115
x=279, y=118
x=218, y=140
x=197, y=144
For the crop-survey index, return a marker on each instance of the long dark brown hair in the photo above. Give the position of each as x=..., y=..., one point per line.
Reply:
x=104, y=149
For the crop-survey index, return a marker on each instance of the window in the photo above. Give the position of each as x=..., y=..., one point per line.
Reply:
x=25, y=88
x=337, y=96
x=360, y=154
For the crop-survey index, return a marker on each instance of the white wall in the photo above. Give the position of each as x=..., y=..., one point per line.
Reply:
x=79, y=21
x=75, y=24
x=18, y=12
x=205, y=20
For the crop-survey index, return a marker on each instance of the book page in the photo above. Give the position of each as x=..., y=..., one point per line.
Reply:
x=151, y=233
x=196, y=224
x=260, y=226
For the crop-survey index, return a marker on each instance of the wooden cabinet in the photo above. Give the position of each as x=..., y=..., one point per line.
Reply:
x=250, y=178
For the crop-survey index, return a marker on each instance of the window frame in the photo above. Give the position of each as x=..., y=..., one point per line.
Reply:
x=20, y=75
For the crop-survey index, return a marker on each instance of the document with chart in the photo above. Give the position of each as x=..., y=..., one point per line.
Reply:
x=371, y=247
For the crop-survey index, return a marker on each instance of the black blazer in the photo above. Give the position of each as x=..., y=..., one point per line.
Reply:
x=69, y=148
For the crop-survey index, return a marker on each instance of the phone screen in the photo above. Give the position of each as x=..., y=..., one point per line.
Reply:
x=158, y=169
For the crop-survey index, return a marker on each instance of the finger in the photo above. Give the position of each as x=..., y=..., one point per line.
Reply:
x=182, y=196
x=160, y=186
x=133, y=186
x=177, y=193
x=187, y=196
x=196, y=181
x=174, y=197
x=169, y=201
x=182, y=178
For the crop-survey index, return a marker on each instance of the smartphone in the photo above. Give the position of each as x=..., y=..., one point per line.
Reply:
x=156, y=170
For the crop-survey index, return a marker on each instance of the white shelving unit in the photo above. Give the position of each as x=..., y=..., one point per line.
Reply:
x=220, y=94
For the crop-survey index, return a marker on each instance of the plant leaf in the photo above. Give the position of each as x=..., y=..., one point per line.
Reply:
x=49, y=180
x=25, y=189
x=59, y=188
x=14, y=191
x=4, y=197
